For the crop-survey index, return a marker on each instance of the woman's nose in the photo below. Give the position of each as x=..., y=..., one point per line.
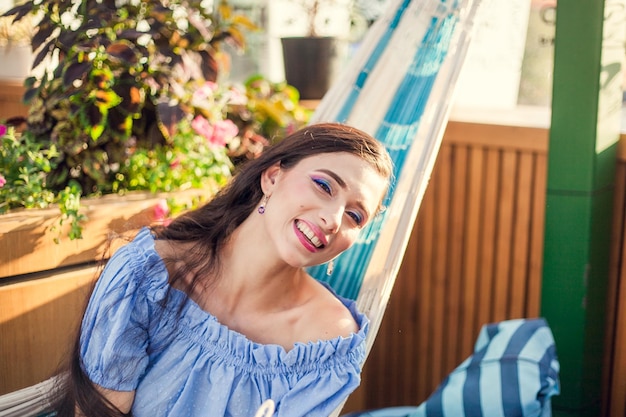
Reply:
x=331, y=218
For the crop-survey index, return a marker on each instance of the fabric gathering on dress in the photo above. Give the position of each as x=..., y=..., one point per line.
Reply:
x=183, y=362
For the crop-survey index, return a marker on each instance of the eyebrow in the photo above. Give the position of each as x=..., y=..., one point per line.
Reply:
x=336, y=177
x=343, y=185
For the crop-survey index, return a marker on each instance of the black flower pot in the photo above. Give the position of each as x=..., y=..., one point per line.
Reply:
x=313, y=63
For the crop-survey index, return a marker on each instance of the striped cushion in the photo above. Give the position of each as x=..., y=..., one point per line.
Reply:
x=512, y=372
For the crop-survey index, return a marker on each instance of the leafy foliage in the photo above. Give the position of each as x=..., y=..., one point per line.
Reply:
x=269, y=112
x=24, y=166
x=115, y=74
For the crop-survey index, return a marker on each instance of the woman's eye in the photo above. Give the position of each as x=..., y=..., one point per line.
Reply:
x=358, y=219
x=324, y=185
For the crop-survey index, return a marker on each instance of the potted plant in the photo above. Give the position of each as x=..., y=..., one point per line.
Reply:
x=15, y=48
x=315, y=44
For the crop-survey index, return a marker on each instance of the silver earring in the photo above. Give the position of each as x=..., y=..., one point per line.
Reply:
x=329, y=267
x=261, y=208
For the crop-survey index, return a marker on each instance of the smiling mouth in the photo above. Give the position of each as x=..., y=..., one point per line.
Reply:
x=309, y=234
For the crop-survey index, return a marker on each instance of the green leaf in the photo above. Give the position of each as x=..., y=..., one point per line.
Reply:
x=76, y=72
x=123, y=52
x=96, y=131
x=105, y=99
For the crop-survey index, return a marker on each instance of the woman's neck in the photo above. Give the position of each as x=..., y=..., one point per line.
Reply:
x=253, y=271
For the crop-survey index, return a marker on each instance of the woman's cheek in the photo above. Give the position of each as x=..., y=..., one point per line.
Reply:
x=351, y=237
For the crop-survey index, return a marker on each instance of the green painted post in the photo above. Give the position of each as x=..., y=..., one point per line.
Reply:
x=586, y=106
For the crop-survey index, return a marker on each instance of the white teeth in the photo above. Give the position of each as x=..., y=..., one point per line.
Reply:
x=309, y=234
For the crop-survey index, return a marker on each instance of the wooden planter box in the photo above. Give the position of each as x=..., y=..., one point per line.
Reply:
x=44, y=285
x=27, y=243
x=11, y=94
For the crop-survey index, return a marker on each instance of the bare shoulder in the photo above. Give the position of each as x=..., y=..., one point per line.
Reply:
x=328, y=317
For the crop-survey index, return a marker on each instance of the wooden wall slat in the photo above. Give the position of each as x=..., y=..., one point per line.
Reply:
x=536, y=230
x=408, y=305
x=471, y=275
x=456, y=219
x=619, y=374
x=614, y=398
x=488, y=236
x=516, y=138
x=505, y=220
x=619, y=371
x=423, y=234
x=436, y=299
x=37, y=320
x=521, y=236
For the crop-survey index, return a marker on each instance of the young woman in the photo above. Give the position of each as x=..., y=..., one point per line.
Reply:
x=214, y=314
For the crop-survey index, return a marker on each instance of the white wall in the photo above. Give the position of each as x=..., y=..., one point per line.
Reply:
x=282, y=18
x=491, y=74
x=5, y=5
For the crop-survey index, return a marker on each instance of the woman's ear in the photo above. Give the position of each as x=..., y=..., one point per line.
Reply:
x=269, y=177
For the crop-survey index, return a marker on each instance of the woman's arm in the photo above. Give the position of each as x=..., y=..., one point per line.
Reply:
x=121, y=400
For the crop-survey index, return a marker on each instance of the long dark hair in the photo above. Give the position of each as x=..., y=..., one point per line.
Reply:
x=208, y=228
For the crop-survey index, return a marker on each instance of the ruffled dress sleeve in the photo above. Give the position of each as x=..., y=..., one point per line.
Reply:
x=336, y=373
x=114, y=334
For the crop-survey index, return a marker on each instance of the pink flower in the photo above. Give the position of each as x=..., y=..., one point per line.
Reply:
x=204, y=92
x=223, y=132
x=2, y=181
x=3, y=130
x=161, y=211
x=237, y=97
x=220, y=133
x=202, y=127
x=291, y=128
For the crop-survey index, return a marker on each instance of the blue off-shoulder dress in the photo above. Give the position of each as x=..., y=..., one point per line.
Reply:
x=139, y=335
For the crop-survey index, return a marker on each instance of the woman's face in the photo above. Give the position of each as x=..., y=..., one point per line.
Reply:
x=317, y=208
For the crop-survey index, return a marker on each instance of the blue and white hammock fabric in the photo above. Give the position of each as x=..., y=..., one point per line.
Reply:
x=28, y=402
x=398, y=87
x=513, y=372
